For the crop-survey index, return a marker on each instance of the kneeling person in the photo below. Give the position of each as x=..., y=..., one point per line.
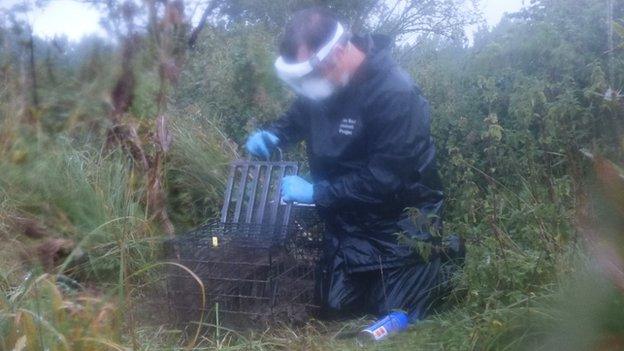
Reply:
x=371, y=155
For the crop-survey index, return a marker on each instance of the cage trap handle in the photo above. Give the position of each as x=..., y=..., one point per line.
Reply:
x=280, y=156
x=267, y=141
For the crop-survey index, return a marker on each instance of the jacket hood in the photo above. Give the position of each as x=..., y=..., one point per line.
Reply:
x=378, y=49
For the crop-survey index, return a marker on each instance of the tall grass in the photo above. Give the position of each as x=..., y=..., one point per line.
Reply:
x=94, y=200
x=36, y=315
x=89, y=200
x=80, y=195
x=197, y=167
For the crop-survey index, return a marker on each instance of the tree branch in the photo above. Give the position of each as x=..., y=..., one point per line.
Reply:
x=202, y=23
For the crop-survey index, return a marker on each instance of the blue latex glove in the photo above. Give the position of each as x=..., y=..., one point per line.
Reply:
x=262, y=143
x=297, y=189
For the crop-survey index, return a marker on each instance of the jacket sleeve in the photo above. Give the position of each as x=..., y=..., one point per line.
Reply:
x=398, y=139
x=289, y=127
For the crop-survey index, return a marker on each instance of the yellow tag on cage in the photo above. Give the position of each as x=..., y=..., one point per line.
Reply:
x=215, y=241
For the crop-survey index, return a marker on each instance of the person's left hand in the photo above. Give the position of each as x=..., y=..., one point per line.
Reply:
x=297, y=189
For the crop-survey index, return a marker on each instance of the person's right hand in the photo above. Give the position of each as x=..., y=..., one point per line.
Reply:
x=261, y=143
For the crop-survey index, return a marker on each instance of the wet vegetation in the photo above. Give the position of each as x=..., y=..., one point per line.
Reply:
x=110, y=146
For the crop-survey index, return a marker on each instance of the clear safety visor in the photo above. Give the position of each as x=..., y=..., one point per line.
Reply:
x=297, y=74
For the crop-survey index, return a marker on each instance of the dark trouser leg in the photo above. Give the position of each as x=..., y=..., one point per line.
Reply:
x=412, y=288
x=339, y=293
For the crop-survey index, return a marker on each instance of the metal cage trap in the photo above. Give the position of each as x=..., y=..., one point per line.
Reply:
x=257, y=264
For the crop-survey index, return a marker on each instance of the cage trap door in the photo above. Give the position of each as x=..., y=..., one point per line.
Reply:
x=252, y=195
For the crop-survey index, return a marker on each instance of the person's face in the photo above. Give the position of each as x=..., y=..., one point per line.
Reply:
x=333, y=67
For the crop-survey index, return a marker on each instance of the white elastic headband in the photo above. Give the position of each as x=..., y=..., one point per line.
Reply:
x=300, y=69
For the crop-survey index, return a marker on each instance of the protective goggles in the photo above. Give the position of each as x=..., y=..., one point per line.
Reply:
x=304, y=77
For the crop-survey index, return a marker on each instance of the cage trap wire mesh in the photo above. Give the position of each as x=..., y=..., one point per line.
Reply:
x=257, y=263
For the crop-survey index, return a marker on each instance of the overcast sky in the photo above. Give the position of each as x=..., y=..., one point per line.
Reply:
x=75, y=19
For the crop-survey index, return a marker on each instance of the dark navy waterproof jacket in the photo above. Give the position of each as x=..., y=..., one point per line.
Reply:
x=371, y=157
